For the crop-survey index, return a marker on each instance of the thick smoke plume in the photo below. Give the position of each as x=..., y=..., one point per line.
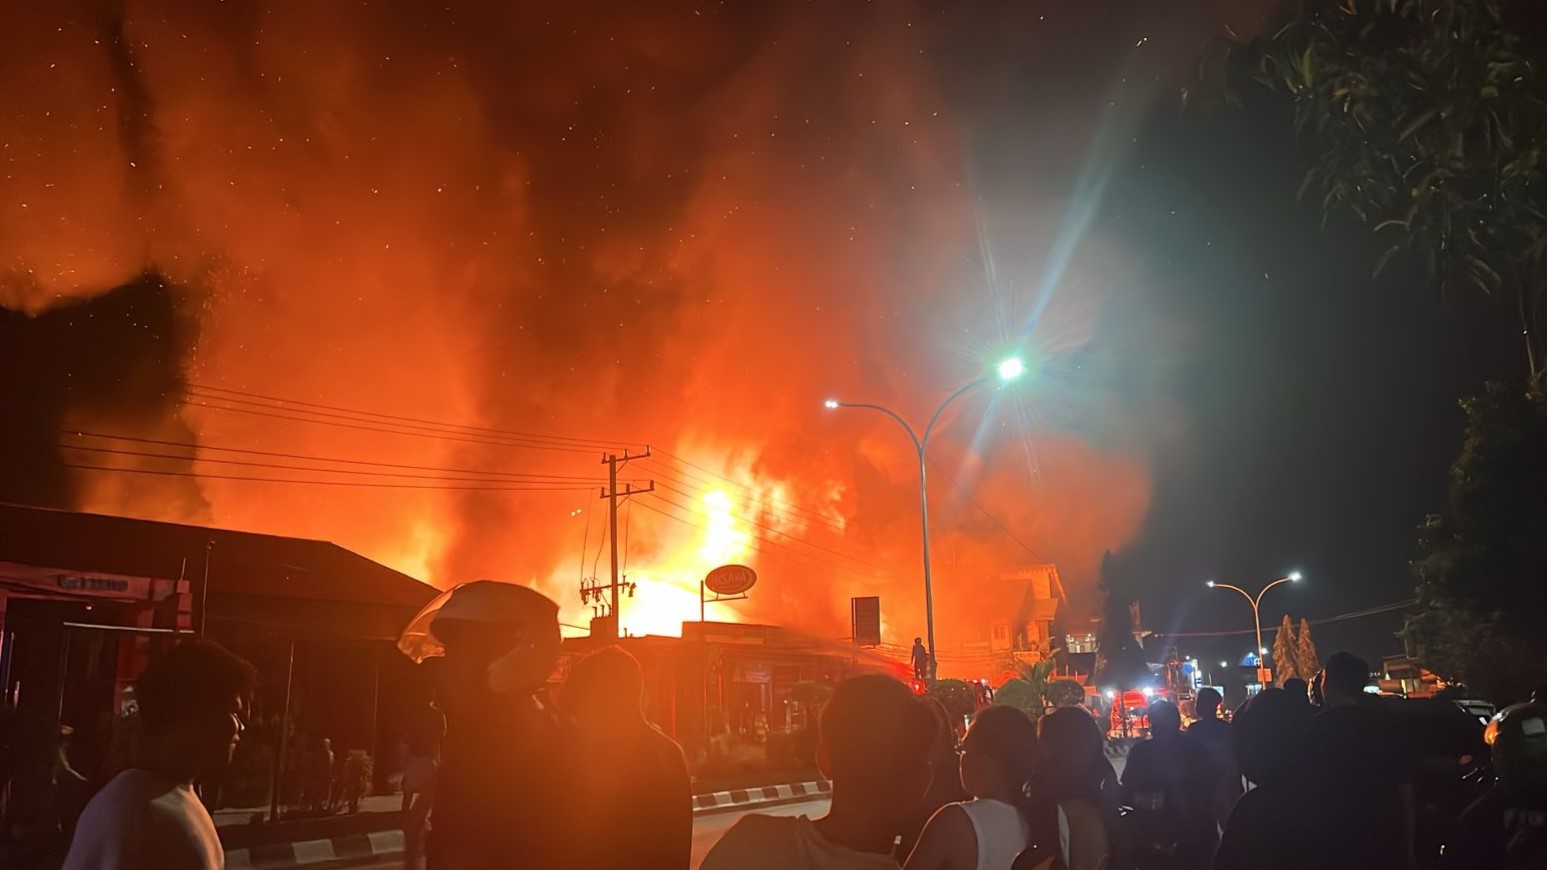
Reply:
x=671, y=224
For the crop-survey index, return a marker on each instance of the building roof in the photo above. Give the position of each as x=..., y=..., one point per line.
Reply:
x=247, y=571
x=1042, y=609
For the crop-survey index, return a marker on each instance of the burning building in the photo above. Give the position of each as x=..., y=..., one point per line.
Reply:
x=329, y=274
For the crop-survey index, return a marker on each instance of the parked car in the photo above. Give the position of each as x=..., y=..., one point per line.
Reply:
x=1483, y=710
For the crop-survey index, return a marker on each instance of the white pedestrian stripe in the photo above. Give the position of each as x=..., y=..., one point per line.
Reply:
x=313, y=851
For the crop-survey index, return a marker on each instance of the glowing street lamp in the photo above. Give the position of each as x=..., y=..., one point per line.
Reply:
x=1008, y=369
x=1256, y=602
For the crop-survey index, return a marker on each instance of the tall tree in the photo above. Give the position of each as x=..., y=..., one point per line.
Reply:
x=1306, y=660
x=1285, y=653
x=1430, y=120
x=1120, y=661
x=1482, y=596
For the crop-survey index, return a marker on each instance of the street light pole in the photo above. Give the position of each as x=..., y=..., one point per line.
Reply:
x=1008, y=370
x=1256, y=603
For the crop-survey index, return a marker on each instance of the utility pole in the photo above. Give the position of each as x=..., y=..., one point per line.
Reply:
x=613, y=495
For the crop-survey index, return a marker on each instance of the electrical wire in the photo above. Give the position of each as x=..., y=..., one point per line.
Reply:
x=380, y=429
x=626, y=511
x=712, y=478
x=585, y=539
x=771, y=529
x=782, y=550
x=360, y=483
x=594, y=443
x=600, y=543
x=195, y=445
x=1357, y=614
x=957, y=487
x=285, y=467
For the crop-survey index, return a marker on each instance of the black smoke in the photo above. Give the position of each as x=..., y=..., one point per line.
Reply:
x=113, y=363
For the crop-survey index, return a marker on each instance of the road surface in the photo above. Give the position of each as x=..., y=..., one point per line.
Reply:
x=706, y=829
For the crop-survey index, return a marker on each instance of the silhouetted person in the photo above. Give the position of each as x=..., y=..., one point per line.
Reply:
x=874, y=746
x=191, y=702
x=1074, y=772
x=1002, y=820
x=631, y=775
x=945, y=786
x=502, y=798
x=320, y=765
x=920, y=660
x=1298, y=690
x=1169, y=781
x=1313, y=689
x=1359, y=760
x=1277, y=824
x=1213, y=734
x=1506, y=829
x=426, y=730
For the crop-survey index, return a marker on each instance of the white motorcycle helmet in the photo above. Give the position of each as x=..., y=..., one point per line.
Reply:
x=487, y=607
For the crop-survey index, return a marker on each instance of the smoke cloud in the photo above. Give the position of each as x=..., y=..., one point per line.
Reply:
x=675, y=224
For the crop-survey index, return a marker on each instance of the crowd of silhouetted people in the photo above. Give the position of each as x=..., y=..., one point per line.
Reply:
x=506, y=775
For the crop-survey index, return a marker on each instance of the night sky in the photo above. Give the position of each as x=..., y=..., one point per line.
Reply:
x=686, y=224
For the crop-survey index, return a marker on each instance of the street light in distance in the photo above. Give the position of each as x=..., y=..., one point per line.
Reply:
x=1256, y=602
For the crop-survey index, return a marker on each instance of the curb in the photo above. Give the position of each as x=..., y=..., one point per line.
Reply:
x=745, y=797
x=377, y=844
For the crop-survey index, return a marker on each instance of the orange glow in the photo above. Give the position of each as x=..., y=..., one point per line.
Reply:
x=622, y=232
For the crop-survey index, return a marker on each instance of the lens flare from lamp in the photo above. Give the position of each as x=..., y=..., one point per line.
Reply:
x=1294, y=576
x=1011, y=368
x=830, y=404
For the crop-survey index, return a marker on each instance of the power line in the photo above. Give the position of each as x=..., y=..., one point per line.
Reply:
x=444, y=437
x=758, y=544
x=761, y=544
x=360, y=483
x=594, y=443
x=956, y=485
x=1357, y=614
x=196, y=445
x=628, y=511
x=773, y=530
x=407, y=428
x=716, y=479
x=284, y=467
x=585, y=539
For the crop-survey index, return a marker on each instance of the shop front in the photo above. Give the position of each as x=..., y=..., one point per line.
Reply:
x=87, y=600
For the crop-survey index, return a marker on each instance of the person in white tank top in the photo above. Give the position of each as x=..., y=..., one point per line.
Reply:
x=990, y=831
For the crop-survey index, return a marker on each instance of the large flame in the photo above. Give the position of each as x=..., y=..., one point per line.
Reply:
x=513, y=227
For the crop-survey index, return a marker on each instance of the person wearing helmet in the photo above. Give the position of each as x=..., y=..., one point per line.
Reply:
x=1507, y=827
x=500, y=797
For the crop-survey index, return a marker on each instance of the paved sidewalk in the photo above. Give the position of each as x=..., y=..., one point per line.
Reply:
x=356, y=847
